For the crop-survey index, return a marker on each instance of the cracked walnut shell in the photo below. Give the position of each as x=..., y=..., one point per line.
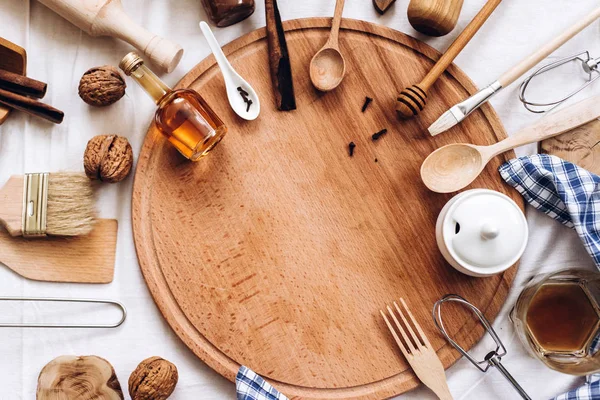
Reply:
x=108, y=158
x=101, y=86
x=153, y=379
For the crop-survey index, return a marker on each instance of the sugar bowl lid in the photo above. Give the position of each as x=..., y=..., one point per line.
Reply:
x=484, y=231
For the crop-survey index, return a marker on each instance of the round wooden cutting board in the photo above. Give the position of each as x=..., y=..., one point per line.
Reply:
x=278, y=250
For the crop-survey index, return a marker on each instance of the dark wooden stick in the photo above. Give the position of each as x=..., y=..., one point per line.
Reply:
x=382, y=5
x=22, y=85
x=279, y=59
x=31, y=106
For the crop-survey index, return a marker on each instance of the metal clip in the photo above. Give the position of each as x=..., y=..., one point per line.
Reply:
x=589, y=66
x=35, y=204
x=494, y=357
x=64, y=300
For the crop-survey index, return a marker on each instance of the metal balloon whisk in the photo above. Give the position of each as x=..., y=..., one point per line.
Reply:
x=494, y=357
x=589, y=66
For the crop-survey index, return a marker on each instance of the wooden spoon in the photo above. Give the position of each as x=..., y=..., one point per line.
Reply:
x=455, y=166
x=327, y=67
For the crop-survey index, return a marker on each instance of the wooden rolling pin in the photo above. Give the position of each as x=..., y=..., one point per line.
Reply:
x=107, y=18
x=434, y=17
x=413, y=99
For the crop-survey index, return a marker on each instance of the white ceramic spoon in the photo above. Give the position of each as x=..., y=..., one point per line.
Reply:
x=233, y=80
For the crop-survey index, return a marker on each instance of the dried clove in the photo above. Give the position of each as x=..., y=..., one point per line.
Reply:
x=242, y=92
x=351, y=147
x=249, y=103
x=379, y=134
x=368, y=101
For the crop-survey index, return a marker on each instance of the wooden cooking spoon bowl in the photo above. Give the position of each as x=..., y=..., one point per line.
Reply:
x=455, y=166
x=328, y=67
x=452, y=167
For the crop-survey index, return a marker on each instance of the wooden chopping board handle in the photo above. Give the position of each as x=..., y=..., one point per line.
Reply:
x=107, y=18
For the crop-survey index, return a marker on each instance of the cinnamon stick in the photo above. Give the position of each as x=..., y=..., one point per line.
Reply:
x=279, y=59
x=21, y=84
x=31, y=106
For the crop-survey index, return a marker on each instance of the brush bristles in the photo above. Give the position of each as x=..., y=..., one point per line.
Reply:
x=443, y=123
x=70, y=205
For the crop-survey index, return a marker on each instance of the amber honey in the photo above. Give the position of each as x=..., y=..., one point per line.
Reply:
x=189, y=124
x=183, y=116
x=562, y=318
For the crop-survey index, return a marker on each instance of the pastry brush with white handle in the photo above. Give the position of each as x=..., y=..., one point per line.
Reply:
x=60, y=204
x=461, y=110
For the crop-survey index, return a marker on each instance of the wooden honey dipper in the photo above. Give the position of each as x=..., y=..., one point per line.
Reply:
x=412, y=99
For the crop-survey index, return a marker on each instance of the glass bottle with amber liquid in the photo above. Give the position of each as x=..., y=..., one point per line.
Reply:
x=183, y=116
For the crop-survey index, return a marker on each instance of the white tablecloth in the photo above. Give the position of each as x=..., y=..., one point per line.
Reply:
x=59, y=53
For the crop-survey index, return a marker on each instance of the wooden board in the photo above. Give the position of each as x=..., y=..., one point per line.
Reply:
x=278, y=249
x=13, y=58
x=81, y=259
x=579, y=146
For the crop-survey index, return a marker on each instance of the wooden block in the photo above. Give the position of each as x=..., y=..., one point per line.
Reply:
x=13, y=58
x=579, y=146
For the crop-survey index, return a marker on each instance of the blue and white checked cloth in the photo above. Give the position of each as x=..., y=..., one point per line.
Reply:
x=570, y=195
x=591, y=389
x=563, y=191
x=251, y=386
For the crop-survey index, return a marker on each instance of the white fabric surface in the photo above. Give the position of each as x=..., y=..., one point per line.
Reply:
x=59, y=53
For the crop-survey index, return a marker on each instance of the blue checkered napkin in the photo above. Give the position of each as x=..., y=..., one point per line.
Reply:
x=591, y=389
x=250, y=386
x=563, y=191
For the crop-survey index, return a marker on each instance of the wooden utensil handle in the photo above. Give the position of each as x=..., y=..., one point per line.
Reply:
x=107, y=18
x=526, y=64
x=21, y=84
x=31, y=106
x=552, y=125
x=459, y=44
x=335, y=24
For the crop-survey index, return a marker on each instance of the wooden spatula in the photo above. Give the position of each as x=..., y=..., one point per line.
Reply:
x=81, y=259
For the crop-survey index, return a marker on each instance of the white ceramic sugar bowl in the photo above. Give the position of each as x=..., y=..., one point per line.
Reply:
x=481, y=232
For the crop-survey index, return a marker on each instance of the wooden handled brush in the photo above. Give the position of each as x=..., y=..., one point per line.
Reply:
x=412, y=100
x=59, y=204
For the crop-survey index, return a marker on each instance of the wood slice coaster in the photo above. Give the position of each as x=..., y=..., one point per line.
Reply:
x=579, y=146
x=278, y=250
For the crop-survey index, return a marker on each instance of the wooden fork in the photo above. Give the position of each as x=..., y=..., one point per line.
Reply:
x=418, y=352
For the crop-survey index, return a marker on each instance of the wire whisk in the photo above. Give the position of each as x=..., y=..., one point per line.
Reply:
x=589, y=66
x=494, y=357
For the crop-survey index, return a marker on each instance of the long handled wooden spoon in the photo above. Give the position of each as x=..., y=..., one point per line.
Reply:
x=455, y=166
x=413, y=99
x=327, y=67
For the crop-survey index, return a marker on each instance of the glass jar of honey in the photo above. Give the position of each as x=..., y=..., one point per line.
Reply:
x=182, y=116
x=557, y=317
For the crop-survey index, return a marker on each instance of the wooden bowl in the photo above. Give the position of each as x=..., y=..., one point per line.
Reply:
x=13, y=58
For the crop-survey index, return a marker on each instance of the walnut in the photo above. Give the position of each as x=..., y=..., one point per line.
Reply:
x=108, y=158
x=101, y=86
x=153, y=379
